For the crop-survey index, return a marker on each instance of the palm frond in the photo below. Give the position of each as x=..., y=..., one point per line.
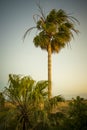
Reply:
x=28, y=31
x=41, y=11
x=36, y=16
x=73, y=19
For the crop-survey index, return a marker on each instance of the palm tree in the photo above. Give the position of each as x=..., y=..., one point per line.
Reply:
x=55, y=31
x=26, y=104
x=26, y=98
x=17, y=94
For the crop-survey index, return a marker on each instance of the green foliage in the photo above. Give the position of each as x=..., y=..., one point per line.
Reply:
x=78, y=113
x=42, y=126
x=56, y=119
x=25, y=97
x=76, y=118
x=57, y=28
x=26, y=104
x=51, y=103
x=28, y=107
x=2, y=100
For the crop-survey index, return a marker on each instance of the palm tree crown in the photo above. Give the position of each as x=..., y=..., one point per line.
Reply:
x=57, y=29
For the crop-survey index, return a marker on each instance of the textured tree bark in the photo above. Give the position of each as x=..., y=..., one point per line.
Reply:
x=49, y=72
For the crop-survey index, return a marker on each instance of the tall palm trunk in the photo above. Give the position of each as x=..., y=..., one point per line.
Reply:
x=49, y=72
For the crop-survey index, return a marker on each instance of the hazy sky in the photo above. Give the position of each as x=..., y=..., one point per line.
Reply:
x=69, y=67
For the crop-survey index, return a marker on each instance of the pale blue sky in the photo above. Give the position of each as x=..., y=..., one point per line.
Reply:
x=69, y=67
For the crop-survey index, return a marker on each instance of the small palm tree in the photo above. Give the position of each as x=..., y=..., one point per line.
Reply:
x=26, y=98
x=26, y=104
x=55, y=31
